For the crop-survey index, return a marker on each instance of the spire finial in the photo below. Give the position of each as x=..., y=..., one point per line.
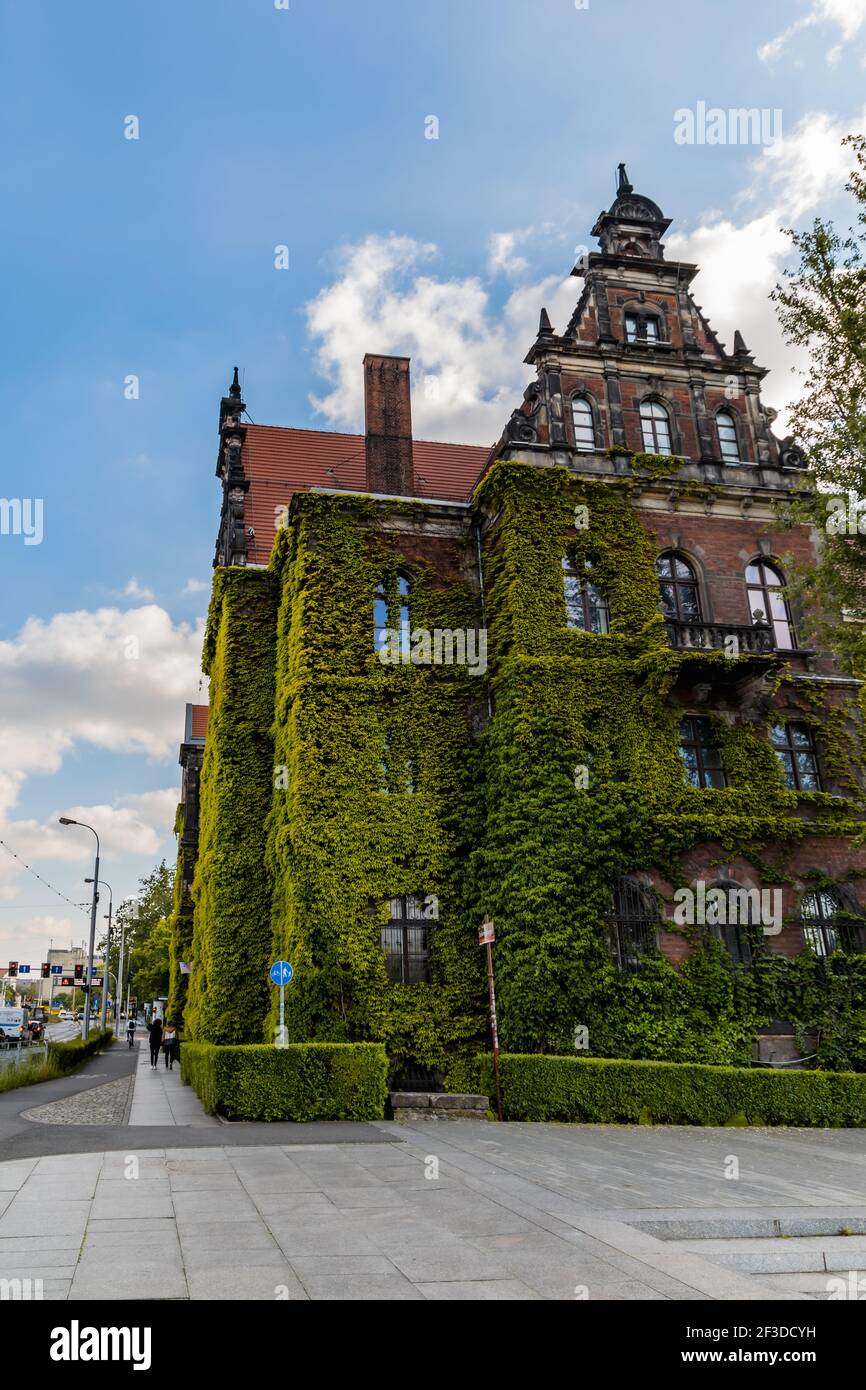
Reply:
x=545, y=327
x=622, y=183
x=235, y=388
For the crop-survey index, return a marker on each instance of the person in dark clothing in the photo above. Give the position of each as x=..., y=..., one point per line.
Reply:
x=155, y=1031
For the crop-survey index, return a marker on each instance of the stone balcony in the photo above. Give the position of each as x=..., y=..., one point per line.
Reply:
x=752, y=638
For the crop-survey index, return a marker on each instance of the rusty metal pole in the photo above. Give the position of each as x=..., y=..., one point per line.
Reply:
x=494, y=1029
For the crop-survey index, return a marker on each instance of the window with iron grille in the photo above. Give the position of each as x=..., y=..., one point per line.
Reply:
x=795, y=748
x=727, y=431
x=767, y=603
x=827, y=925
x=678, y=587
x=632, y=925
x=655, y=427
x=700, y=753
x=586, y=605
x=584, y=429
x=405, y=938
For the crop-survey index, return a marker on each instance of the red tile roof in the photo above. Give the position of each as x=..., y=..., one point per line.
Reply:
x=280, y=461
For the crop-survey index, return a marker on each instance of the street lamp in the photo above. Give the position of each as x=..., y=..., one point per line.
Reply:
x=104, y=1018
x=67, y=820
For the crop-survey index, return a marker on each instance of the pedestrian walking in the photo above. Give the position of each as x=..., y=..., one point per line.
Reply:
x=155, y=1031
x=169, y=1044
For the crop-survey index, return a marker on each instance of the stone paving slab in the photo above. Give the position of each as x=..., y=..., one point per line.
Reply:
x=535, y=1212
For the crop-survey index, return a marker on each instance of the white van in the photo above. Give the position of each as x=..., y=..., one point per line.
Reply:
x=14, y=1026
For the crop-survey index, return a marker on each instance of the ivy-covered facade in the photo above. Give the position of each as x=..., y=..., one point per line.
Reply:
x=559, y=683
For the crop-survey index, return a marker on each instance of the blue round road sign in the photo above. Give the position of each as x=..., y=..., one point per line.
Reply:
x=281, y=972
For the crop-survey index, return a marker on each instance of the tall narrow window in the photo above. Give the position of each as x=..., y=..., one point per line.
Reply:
x=767, y=602
x=741, y=928
x=819, y=909
x=727, y=430
x=586, y=605
x=380, y=617
x=584, y=432
x=656, y=428
x=678, y=588
x=405, y=938
x=701, y=756
x=651, y=330
x=632, y=923
x=795, y=748
x=391, y=612
x=631, y=328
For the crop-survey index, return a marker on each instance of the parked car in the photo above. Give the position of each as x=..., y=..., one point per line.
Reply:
x=65, y=1016
x=37, y=1029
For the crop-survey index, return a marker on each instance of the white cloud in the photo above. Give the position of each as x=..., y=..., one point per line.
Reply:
x=467, y=358
x=115, y=680
x=500, y=252
x=848, y=15
x=135, y=590
x=194, y=586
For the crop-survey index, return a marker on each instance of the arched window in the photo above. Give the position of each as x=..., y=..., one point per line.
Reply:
x=584, y=429
x=819, y=909
x=586, y=605
x=406, y=937
x=827, y=925
x=678, y=587
x=656, y=428
x=767, y=602
x=737, y=917
x=727, y=432
x=632, y=924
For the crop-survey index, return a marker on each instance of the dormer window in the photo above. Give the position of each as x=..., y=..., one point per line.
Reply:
x=642, y=328
x=584, y=430
x=727, y=429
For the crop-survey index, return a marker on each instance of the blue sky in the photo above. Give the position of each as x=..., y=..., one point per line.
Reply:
x=155, y=258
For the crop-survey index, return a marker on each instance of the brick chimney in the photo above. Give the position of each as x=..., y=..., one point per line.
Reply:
x=388, y=417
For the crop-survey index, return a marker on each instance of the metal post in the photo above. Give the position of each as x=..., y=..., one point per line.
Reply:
x=282, y=1014
x=494, y=1029
x=118, y=1008
x=105, y=982
x=88, y=983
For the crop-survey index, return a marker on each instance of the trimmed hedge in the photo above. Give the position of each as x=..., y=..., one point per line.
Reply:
x=66, y=1056
x=608, y=1091
x=304, y=1081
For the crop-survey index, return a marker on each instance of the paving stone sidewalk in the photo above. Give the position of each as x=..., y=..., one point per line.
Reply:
x=459, y=1210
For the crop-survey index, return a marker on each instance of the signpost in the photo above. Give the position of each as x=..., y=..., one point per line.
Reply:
x=486, y=937
x=281, y=974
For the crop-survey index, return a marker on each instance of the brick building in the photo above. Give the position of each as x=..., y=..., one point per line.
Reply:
x=559, y=681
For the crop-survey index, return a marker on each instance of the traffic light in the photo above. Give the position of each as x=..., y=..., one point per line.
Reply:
x=79, y=972
x=13, y=967
x=46, y=970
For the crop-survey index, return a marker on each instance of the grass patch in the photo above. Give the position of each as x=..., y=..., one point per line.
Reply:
x=62, y=1059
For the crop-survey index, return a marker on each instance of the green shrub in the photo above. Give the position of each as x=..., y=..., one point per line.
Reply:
x=304, y=1081
x=609, y=1091
x=66, y=1056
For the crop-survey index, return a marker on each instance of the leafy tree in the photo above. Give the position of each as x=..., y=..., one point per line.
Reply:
x=822, y=307
x=144, y=919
